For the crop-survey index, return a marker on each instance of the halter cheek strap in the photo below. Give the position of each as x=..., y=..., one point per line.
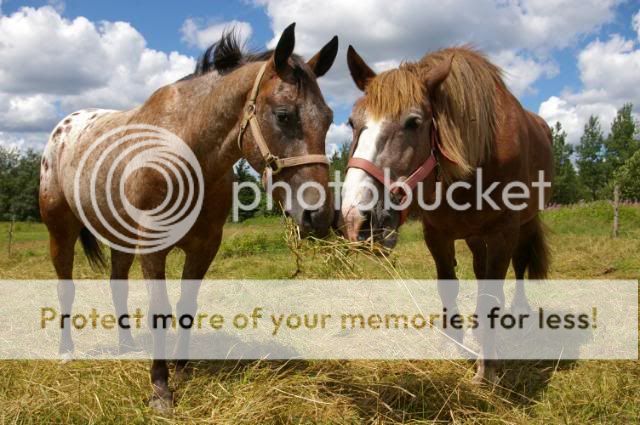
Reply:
x=272, y=162
x=406, y=186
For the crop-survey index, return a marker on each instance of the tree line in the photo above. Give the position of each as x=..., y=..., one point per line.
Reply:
x=19, y=183
x=587, y=171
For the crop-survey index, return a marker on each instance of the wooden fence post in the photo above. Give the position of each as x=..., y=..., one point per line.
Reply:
x=13, y=220
x=616, y=209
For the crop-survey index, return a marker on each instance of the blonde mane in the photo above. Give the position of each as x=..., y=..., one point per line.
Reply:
x=465, y=105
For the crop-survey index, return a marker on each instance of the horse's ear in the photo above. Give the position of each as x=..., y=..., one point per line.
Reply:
x=436, y=75
x=322, y=61
x=283, y=51
x=360, y=71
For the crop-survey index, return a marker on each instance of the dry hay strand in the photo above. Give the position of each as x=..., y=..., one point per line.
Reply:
x=335, y=256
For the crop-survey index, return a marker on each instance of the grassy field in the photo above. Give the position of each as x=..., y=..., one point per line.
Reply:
x=338, y=391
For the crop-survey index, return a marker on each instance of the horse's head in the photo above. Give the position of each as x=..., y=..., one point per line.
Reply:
x=293, y=119
x=392, y=124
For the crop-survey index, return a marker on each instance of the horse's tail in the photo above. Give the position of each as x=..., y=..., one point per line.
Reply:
x=533, y=249
x=92, y=250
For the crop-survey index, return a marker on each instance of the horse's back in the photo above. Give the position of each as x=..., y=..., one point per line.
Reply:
x=538, y=158
x=540, y=149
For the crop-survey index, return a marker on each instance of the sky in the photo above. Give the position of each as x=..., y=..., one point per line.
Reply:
x=564, y=59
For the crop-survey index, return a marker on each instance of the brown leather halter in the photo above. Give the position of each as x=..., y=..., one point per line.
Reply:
x=272, y=162
x=396, y=187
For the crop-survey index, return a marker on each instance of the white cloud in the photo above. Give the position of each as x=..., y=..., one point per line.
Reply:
x=36, y=40
x=521, y=72
x=610, y=75
x=523, y=32
x=23, y=141
x=613, y=65
x=574, y=116
x=636, y=23
x=197, y=35
x=50, y=66
x=337, y=135
x=58, y=5
x=27, y=113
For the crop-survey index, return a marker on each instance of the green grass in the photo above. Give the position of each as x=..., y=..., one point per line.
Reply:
x=338, y=391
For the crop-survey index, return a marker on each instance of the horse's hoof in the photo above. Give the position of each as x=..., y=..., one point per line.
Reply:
x=486, y=377
x=66, y=357
x=162, y=405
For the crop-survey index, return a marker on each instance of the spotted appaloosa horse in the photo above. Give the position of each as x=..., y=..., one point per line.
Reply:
x=207, y=110
x=479, y=124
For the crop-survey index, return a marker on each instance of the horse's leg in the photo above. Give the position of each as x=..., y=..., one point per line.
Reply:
x=520, y=303
x=491, y=295
x=153, y=269
x=61, y=247
x=120, y=265
x=197, y=261
x=442, y=249
x=64, y=230
x=478, y=248
x=521, y=259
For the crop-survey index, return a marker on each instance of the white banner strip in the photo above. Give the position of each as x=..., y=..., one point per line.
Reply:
x=320, y=319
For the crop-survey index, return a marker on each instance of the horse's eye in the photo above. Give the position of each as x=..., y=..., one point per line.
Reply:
x=412, y=122
x=282, y=116
x=350, y=122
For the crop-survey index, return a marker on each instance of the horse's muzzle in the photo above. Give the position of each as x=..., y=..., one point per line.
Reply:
x=378, y=225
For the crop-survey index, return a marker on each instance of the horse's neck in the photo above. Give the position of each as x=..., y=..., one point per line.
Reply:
x=205, y=112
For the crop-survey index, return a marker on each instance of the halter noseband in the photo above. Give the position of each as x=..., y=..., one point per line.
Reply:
x=396, y=187
x=272, y=162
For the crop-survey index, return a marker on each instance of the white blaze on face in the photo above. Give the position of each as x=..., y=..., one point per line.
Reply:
x=356, y=190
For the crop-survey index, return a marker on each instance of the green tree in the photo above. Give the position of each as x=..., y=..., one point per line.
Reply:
x=19, y=184
x=338, y=161
x=621, y=143
x=246, y=195
x=565, y=183
x=628, y=177
x=590, y=152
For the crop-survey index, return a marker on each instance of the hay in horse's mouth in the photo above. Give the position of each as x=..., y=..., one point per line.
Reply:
x=337, y=253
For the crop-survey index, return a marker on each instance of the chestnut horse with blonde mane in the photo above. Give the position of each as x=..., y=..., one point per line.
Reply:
x=264, y=107
x=441, y=120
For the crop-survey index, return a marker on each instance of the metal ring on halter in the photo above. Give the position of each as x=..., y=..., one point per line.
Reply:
x=273, y=163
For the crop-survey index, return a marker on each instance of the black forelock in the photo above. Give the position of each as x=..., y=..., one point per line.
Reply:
x=228, y=54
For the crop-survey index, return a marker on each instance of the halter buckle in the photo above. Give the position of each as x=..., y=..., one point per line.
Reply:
x=398, y=196
x=272, y=162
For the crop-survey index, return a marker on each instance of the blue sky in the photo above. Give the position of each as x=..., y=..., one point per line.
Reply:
x=565, y=59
